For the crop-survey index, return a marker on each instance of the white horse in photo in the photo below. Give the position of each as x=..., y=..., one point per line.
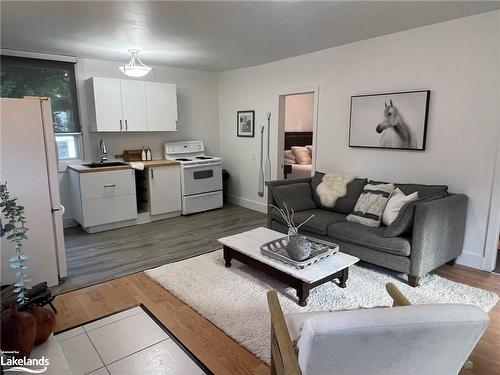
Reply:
x=396, y=133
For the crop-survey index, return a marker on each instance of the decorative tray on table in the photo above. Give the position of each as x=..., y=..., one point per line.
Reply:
x=319, y=250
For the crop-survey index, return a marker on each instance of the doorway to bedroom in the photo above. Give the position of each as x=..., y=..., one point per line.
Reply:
x=296, y=134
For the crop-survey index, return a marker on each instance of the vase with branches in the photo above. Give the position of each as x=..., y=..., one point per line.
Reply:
x=15, y=229
x=298, y=247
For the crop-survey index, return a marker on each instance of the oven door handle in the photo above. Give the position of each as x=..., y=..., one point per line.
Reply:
x=208, y=165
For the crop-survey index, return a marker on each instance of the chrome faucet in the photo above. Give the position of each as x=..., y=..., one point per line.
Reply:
x=103, y=151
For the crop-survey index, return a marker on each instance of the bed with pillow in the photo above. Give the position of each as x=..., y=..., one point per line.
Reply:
x=298, y=155
x=409, y=228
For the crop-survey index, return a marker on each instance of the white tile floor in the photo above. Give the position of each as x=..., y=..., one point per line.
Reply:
x=126, y=343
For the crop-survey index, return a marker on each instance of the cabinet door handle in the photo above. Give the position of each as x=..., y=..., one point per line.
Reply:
x=176, y=124
x=126, y=125
x=152, y=173
x=109, y=185
x=121, y=125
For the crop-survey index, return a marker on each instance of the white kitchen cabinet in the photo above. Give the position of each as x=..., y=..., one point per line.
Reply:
x=103, y=197
x=164, y=189
x=107, y=101
x=134, y=105
x=129, y=105
x=161, y=103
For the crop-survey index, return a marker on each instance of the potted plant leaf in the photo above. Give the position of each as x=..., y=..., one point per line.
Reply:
x=18, y=327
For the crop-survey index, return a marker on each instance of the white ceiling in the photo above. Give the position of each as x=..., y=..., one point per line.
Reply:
x=214, y=36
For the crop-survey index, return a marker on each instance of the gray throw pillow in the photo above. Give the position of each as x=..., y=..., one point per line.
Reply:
x=404, y=221
x=343, y=205
x=296, y=196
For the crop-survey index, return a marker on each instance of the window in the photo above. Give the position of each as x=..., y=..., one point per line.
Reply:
x=34, y=77
x=66, y=146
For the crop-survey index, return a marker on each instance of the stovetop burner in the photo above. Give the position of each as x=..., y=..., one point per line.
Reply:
x=183, y=159
x=204, y=157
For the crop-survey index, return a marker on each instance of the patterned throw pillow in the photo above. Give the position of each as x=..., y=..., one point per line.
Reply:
x=370, y=205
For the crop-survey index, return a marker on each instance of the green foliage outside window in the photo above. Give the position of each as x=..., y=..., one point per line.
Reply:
x=31, y=77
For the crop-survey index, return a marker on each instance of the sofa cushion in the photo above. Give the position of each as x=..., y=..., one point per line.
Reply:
x=343, y=205
x=424, y=191
x=403, y=224
x=297, y=196
x=318, y=224
x=372, y=237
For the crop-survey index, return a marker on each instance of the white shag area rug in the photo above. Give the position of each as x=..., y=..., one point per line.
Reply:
x=234, y=299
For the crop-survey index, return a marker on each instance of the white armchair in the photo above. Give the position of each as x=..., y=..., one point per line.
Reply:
x=424, y=339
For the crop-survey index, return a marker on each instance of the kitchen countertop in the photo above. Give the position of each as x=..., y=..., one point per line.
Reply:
x=147, y=164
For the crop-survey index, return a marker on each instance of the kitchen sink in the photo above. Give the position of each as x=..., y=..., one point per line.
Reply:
x=106, y=164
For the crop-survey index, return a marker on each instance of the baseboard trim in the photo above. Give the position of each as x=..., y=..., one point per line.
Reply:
x=69, y=222
x=471, y=260
x=248, y=203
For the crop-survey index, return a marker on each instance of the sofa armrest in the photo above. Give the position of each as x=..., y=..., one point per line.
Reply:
x=270, y=199
x=438, y=233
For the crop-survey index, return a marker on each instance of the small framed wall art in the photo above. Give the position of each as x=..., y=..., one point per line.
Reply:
x=395, y=120
x=245, y=123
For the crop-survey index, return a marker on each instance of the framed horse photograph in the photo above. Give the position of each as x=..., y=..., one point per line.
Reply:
x=396, y=120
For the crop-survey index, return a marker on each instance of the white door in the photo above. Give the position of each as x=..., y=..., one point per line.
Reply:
x=108, y=104
x=134, y=105
x=161, y=101
x=164, y=189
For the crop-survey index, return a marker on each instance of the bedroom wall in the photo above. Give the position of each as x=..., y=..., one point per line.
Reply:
x=457, y=60
x=299, y=113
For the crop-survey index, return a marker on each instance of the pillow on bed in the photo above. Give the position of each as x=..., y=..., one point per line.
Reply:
x=289, y=158
x=310, y=150
x=301, y=155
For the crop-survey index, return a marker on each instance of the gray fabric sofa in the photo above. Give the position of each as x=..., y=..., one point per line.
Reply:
x=428, y=233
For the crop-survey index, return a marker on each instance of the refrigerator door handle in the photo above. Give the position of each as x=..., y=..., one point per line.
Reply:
x=62, y=209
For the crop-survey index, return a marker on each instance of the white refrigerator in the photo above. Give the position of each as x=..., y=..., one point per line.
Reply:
x=28, y=163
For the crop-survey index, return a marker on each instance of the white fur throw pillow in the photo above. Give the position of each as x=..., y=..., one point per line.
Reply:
x=301, y=155
x=370, y=205
x=397, y=200
x=332, y=187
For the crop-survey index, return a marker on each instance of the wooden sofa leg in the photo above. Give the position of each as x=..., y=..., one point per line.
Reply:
x=452, y=262
x=413, y=280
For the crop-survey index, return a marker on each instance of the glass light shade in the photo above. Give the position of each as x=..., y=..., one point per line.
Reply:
x=135, y=67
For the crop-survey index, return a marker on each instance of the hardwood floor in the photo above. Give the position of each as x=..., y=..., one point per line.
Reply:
x=94, y=258
x=217, y=350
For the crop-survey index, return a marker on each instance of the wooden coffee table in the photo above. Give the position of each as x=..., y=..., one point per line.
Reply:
x=245, y=247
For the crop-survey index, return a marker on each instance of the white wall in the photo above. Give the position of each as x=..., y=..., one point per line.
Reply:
x=299, y=112
x=197, y=100
x=458, y=61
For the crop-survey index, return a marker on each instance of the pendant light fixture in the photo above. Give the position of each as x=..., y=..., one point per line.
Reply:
x=135, y=67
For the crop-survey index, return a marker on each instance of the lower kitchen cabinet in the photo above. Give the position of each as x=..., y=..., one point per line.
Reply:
x=163, y=189
x=101, y=199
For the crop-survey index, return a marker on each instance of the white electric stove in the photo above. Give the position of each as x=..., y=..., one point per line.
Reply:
x=201, y=176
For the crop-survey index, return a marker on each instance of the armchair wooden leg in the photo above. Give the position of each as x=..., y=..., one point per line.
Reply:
x=452, y=262
x=413, y=280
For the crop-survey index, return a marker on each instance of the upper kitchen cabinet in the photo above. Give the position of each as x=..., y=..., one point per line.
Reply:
x=132, y=106
x=106, y=95
x=161, y=103
x=135, y=118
